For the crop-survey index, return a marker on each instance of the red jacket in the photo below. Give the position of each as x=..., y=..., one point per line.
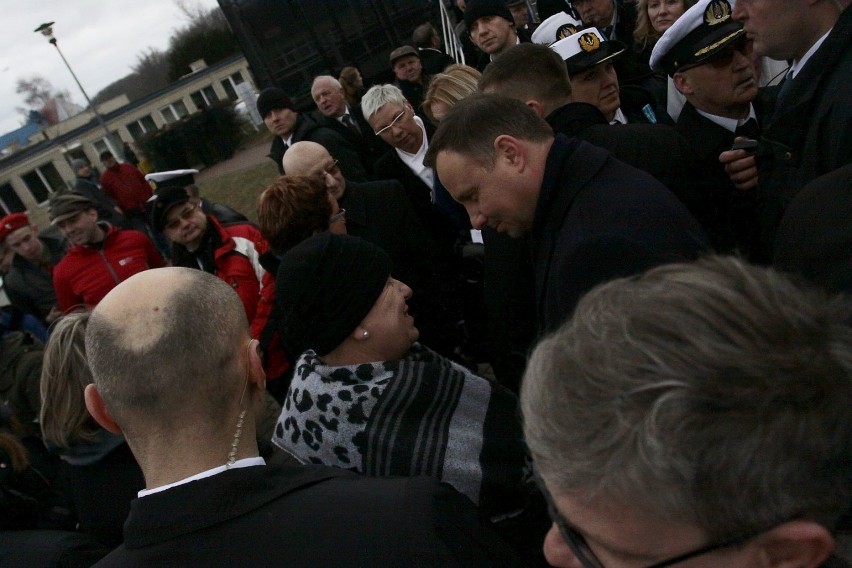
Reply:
x=127, y=185
x=87, y=273
x=238, y=263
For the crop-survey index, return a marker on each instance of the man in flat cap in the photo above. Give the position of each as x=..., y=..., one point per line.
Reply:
x=99, y=256
x=290, y=126
x=29, y=283
x=409, y=75
x=708, y=55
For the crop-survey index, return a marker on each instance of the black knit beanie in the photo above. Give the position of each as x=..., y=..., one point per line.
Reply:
x=324, y=288
x=273, y=98
x=475, y=9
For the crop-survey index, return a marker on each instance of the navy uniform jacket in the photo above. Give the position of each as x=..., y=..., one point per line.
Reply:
x=728, y=215
x=597, y=219
x=306, y=516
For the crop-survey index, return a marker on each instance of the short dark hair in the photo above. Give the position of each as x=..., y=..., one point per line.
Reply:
x=106, y=155
x=292, y=209
x=529, y=70
x=472, y=125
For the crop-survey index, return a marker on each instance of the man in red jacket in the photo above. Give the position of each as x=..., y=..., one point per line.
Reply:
x=99, y=256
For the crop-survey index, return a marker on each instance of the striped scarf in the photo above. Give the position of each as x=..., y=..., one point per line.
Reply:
x=422, y=415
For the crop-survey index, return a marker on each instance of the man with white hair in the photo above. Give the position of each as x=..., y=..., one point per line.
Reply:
x=697, y=415
x=347, y=120
x=176, y=371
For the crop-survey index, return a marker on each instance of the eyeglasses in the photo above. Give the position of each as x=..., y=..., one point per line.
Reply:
x=184, y=215
x=396, y=119
x=578, y=545
x=337, y=216
x=330, y=170
x=725, y=57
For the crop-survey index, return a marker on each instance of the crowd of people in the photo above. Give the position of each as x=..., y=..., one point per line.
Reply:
x=579, y=302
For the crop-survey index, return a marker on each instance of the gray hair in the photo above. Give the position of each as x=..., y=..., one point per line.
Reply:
x=334, y=82
x=717, y=393
x=378, y=96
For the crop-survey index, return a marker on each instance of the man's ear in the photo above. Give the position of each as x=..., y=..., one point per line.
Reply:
x=255, y=365
x=510, y=150
x=797, y=544
x=97, y=408
x=536, y=106
x=683, y=84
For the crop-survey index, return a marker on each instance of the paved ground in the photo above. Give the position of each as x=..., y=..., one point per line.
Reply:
x=251, y=156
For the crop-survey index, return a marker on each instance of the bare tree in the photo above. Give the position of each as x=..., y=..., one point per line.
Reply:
x=38, y=93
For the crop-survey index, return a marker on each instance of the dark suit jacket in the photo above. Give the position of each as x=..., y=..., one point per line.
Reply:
x=653, y=148
x=306, y=516
x=306, y=128
x=809, y=134
x=597, y=219
x=368, y=146
x=815, y=236
x=728, y=215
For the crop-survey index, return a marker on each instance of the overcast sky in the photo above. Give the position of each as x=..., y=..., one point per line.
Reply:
x=101, y=40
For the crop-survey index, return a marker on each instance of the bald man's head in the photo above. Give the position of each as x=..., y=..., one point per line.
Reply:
x=164, y=348
x=313, y=160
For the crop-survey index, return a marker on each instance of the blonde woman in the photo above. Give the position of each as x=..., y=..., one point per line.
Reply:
x=446, y=89
x=98, y=466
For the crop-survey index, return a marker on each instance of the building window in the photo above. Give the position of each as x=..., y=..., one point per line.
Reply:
x=43, y=181
x=138, y=128
x=9, y=200
x=229, y=88
x=204, y=98
x=230, y=84
x=174, y=112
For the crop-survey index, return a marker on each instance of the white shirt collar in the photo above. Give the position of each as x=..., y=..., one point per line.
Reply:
x=247, y=462
x=619, y=118
x=729, y=124
x=289, y=140
x=415, y=161
x=798, y=65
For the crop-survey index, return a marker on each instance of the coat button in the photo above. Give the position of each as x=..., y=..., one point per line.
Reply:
x=788, y=156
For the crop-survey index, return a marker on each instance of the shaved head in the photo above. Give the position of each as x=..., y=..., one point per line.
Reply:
x=164, y=347
x=302, y=157
x=310, y=159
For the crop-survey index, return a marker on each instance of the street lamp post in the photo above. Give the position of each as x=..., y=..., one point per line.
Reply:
x=47, y=31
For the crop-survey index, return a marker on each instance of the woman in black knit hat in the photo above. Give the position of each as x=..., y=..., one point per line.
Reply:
x=366, y=396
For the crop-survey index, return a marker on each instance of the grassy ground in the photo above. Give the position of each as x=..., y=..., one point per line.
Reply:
x=239, y=189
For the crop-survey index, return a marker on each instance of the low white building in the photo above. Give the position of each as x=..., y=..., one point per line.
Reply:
x=30, y=175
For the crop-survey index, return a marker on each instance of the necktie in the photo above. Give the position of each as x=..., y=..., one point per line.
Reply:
x=347, y=120
x=749, y=129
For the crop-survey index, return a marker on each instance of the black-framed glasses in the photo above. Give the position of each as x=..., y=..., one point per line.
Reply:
x=396, y=119
x=337, y=216
x=184, y=215
x=581, y=549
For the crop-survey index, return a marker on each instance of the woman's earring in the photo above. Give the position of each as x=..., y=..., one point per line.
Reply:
x=366, y=334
